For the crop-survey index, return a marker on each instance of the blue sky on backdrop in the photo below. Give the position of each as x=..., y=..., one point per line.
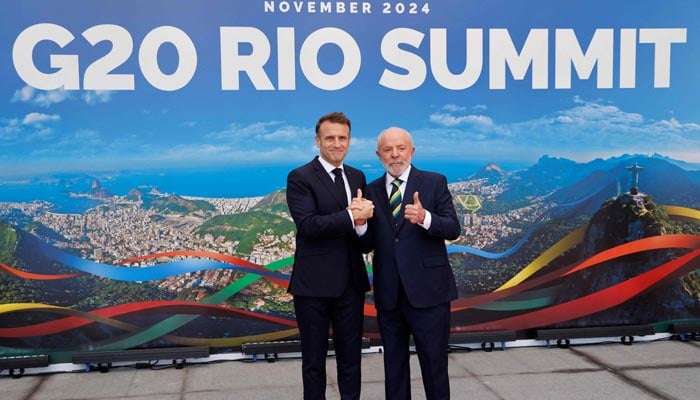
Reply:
x=203, y=125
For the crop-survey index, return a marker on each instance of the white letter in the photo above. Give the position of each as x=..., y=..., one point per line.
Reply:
x=286, y=59
x=232, y=62
x=474, y=59
x=628, y=58
x=412, y=63
x=187, y=58
x=351, y=58
x=97, y=75
x=568, y=51
x=662, y=39
x=22, y=58
x=502, y=52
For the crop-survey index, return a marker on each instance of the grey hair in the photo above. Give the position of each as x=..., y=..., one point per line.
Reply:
x=379, y=138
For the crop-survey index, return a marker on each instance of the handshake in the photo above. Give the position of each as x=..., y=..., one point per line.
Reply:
x=362, y=209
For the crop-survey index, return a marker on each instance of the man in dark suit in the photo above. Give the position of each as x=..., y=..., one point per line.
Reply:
x=413, y=280
x=329, y=279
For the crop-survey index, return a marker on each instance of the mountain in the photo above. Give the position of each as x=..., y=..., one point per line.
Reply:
x=98, y=192
x=565, y=180
x=267, y=221
x=682, y=164
x=134, y=195
x=247, y=228
x=491, y=172
x=565, y=205
x=547, y=175
x=177, y=205
x=274, y=198
x=624, y=219
x=665, y=181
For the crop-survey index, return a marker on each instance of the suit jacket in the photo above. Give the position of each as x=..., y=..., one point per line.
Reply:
x=328, y=251
x=407, y=253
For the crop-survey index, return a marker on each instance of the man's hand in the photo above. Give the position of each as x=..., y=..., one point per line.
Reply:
x=415, y=212
x=361, y=209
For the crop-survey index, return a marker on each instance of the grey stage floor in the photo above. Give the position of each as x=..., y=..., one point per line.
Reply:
x=653, y=369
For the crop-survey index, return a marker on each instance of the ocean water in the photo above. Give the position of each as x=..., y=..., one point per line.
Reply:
x=229, y=182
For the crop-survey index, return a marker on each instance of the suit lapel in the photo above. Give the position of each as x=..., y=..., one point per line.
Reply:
x=327, y=182
x=353, y=182
x=379, y=189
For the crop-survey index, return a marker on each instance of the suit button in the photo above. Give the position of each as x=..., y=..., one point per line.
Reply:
x=396, y=240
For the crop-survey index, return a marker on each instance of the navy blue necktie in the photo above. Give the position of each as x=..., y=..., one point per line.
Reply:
x=340, y=185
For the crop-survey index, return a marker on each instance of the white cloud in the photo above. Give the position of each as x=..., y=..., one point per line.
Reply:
x=37, y=119
x=676, y=126
x=223, y=154
x=23, y=95
x=9, y=129
x=446, y=119
x=41, y=98
x=269, y=131
x=286, y=134
x=453, y=108
x=586, y=130
x=565, y=119
x=97, y=96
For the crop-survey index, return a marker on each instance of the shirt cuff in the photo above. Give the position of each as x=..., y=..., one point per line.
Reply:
x=428, y=219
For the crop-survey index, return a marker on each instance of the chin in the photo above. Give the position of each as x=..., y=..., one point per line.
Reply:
x=397, y=170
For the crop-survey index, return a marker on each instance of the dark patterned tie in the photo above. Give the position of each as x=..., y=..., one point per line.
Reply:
x=340, y=185
x=395, y=197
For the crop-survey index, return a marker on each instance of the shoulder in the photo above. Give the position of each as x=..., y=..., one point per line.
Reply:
x=304, y=169
x=353, y=171
x=379, y=182
x=351, y=168
x=428, y=175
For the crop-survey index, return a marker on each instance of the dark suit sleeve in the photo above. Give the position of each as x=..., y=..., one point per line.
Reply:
x=366, y=240
x=312, y=216
x=444, y=222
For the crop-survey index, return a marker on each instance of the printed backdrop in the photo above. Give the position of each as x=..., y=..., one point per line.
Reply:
x=144, y=149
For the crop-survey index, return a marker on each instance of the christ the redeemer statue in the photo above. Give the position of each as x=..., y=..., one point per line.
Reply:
x=635, y=173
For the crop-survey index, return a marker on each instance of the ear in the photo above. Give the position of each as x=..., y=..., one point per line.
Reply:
x=318, y=141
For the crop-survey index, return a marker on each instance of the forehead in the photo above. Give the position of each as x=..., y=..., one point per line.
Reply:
x=393, y=139
x=328, y=128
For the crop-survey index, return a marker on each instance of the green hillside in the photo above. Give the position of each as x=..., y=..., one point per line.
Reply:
x=178, y=205
x=8, y=239
x=245, y=228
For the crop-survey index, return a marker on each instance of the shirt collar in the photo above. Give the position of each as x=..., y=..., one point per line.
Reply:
x=328, y=166
x=403, y=176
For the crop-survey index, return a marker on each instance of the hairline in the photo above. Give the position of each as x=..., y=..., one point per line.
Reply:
x=381, y=134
